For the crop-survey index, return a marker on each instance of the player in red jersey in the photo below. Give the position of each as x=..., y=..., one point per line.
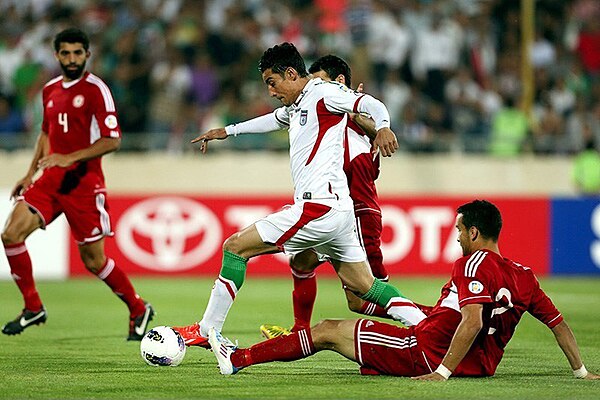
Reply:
x=361, y=166
x=80, y=125
x=464, y=335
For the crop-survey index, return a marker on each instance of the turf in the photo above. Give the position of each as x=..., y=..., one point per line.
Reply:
x=81, y=352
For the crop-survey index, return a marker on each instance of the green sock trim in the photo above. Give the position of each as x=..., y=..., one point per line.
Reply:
x=381, y=293
x=234, y=268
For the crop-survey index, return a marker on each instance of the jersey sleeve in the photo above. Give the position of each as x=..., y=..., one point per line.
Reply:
x=276, y=120
x=473, y=280
x=340, y=99
x=104, y=109
x=542, y=308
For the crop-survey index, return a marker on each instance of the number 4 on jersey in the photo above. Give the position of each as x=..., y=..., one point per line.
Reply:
x=62, y=120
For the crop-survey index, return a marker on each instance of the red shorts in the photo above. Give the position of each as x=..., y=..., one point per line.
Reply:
x=369, y=229
x=86, y=209
x=384, y=349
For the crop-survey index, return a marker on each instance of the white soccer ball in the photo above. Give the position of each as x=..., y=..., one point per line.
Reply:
x=162, y=346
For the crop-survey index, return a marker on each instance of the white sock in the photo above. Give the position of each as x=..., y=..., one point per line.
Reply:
x=221, y=299
x=405, y=311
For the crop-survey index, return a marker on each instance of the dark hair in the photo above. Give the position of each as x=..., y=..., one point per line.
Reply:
x=333, y=66
x=281, y=57
x=71, y=35
x=484, y=216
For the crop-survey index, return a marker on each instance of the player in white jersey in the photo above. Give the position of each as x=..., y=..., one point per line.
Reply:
x=361, y=167
x=321, y=220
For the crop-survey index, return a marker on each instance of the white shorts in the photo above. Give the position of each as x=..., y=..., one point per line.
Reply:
x=329, y=232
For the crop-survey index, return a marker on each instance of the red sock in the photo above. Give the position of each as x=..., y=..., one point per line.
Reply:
x=373, y=309
x=283, y=348
x=22, y=273
x=122, y=287
x=303, y=297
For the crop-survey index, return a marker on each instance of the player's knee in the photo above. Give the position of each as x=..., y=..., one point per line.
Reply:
x=305, y=261
x=93, y=263
x=232, y=244
x=11, y=235
x=324, y=334
x=298, y=265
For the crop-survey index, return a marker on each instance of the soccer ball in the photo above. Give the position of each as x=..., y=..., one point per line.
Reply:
x=162, y=346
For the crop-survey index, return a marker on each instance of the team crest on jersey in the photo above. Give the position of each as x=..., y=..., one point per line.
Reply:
x=475, y=287
x=50, y=104
x=303, y=117
x=78, y=101
x=110, y=121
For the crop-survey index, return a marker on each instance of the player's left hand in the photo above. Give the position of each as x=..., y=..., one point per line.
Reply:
x=385, y=142
x=434, y=376
x=55, y=160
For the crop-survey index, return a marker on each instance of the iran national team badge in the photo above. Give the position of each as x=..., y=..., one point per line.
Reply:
x=475, y=287
x=110, y=121
x=303, y=117
x=78, y=101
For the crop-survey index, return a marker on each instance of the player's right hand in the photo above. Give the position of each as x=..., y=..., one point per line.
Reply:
x=21, y=185
x=218, y=133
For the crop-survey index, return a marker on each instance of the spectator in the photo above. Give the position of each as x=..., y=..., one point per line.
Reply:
x=586, y=168
x=548, y=129
x=11, y=125
x=171, y=80
x=588, y=46
x=414, y=135
x=509, y=130
x=391, y=45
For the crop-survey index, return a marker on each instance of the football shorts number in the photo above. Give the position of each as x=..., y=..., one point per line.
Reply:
x=63, y=120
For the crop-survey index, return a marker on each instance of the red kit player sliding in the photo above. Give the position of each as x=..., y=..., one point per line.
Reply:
x=464, y=335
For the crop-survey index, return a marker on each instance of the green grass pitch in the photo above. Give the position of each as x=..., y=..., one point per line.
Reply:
x=81, y=351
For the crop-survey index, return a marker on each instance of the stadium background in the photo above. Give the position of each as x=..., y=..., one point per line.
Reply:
x=475, y=113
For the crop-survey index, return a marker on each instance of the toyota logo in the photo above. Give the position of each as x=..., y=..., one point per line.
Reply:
x=168, y=233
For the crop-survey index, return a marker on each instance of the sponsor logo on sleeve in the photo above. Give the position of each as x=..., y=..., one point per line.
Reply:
x=475, y=287
x=111, y=122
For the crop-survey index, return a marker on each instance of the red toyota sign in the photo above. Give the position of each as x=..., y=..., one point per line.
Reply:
x=182, y=235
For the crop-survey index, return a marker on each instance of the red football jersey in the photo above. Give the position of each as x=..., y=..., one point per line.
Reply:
x=505, y=288
x=77, y=114
x=362, y=169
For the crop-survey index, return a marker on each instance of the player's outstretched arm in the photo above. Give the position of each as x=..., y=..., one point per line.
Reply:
x=218, y=133
x=41, y=149
x=566, y=340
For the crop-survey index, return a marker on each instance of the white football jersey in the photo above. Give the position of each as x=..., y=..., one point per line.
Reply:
x=317, y=123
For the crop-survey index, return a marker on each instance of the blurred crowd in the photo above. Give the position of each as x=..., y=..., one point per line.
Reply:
x=449, y=71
